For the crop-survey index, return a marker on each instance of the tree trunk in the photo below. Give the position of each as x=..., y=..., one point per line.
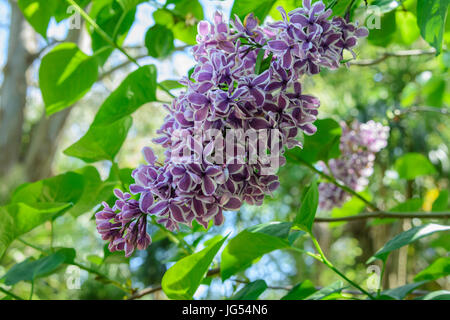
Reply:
x=13, y=92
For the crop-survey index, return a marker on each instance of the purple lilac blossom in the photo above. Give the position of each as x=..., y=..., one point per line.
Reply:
x=226, y=92
x=359, y=144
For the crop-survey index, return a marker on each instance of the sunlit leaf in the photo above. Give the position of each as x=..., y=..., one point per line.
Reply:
x=305, y=217
x=19, y=218
x=251, y=244
x=438, y=269
x=66, y=74
x=406, y=238
x=183, y=278
x=431, y=16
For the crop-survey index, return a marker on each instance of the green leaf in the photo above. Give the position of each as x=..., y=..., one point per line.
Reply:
x=260, y=8
x=406, y=238
x=184, y=277
x=67, y=187
x=438, y=269
x=407, y=31
x=185, y=16
x=138, y=88
x=288, y=5
x=128, y=5
x=107, y=15
x=17, y=219
x=62, y=9
x=38, y=13
x=413, y=165
x=431, y=17
x=305, y=217
x=385, y=5
x=323, y=145
x=171, y=84
x=383, y=36
x=95, y=190
x=335, y=287
x=66, y=74
x=433, y=91
x=436, y=295
x=159, y=41
x=400, y=292
x=441, y=202
x=187, y=8
x=259, y=60
x=251, y=291
x=251, y=244
x=300, y=291
x=30, y=269
x=101, y=142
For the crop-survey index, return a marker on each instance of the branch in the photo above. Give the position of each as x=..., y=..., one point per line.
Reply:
x=400, y=112
x=386, y=55
x=388, y=215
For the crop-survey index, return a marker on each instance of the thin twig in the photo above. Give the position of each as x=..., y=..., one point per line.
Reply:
x=388, y=215
x=442, y=111
x=386, y=55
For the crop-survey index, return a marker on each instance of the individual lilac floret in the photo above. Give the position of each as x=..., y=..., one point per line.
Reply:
x=246, y=80
x=359, y=144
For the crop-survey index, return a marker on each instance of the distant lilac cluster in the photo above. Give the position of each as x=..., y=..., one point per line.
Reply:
x=246, y=78
x=359, y=144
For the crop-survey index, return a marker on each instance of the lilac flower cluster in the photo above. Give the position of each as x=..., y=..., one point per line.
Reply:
x=246, y=78
x=359, y=144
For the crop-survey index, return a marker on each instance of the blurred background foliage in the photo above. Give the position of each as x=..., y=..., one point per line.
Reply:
x=397, y=79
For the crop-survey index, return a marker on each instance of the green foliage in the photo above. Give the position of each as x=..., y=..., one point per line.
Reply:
x=300, y=291
x=109, y=130
x=251, y=244
x=101, y=142
x=431, y=16
x=305, y=218
x=159, y=41
x=66, y=187
x=17, y=219
x=406, y=238
x=400, y=292
x=182, y=279
x=325, y=292
x=251, y=291
x=138, y=88
x=111, y=17
x=323, y=145
x=413, y=165
x=30, y=269
x=438, y=269
x=259, y=8
x=383, y=36
x=38, y=13
x=66, y=74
